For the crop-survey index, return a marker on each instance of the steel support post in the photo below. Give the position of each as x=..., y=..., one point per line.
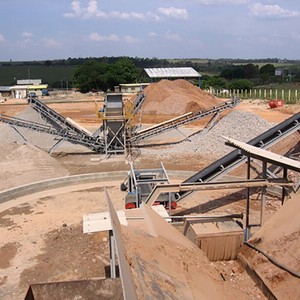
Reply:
x=285, y=176
x=170, y=204
x=247, y=232
x=112, y=255
x=263, y=193
x=22, y=136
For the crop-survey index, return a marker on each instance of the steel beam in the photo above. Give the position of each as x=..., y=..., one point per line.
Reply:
x=264, y=155
x=201, y=186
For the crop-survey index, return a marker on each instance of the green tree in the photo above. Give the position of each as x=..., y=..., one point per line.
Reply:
x=267, y=73
x=251, y=71
x=123, y=71
x=235, y=72
x=90, y=76
x=240, y=84
x=95, y=75
x=216, y=82
x=268, y=70
x=126, y=70
x=48, y=63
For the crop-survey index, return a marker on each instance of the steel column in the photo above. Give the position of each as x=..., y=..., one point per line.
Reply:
x=285, y=176
x=247, y=232
x=263, y=193
x=112, y=255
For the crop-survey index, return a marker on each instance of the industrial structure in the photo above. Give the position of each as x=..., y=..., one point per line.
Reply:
x=116, y=135
x=208, y=178
x=220, y=237
x=147, y=187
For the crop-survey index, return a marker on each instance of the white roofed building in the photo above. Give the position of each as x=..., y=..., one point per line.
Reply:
x=156, y=74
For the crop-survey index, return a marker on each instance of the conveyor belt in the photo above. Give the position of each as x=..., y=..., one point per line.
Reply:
x=138, y=102
x=55, y=119
x=67, y=135
x=181, y=120
x=234, y=158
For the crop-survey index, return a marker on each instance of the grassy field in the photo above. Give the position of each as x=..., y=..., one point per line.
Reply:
x=10, y=74
x=281, y=86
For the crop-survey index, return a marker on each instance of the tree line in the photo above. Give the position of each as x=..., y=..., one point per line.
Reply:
x=103, y=73
x=99, y=75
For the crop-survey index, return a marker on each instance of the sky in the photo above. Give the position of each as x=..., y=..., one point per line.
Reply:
x=246, y=29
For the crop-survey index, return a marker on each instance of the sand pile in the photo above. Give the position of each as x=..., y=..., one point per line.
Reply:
x=279, y=238
x=176, y=98
x=169, y=266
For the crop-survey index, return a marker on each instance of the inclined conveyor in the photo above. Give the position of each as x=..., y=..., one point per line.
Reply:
x=138, y=102
x=54, y=118
x=234, y=158
x=93, y=143
x=181, y=120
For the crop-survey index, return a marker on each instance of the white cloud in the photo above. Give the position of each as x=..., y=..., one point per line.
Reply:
x=172, y=12
x=167, y=36
x=77, y=11
x=172, y=36
x=219, y=2
x=261, y=10
x=76, y=8
x=126, y=15
x=152, y=16
x=27, y=34
x=92, y=11
x=152, y=34
x=50, y=43
x=130, y=39
x=2, y=39
x=96, y=37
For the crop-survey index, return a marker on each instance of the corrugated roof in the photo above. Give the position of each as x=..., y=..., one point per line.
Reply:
x=133, y=84
x=171, y=72
x=19, y=87
x=5, y=88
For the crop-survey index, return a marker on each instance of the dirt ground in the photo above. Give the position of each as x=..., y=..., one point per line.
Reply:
x=41, y=235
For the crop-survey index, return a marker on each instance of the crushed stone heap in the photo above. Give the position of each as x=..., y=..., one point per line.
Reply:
x=239, y=125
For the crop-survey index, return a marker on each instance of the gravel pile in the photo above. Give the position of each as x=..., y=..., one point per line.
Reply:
x=41, y=140
x=9, y=135
x=242, y=126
